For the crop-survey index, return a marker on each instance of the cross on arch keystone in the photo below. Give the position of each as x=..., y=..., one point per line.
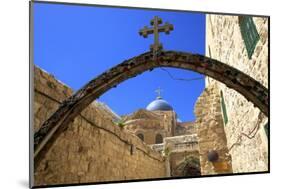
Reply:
x=156, y=29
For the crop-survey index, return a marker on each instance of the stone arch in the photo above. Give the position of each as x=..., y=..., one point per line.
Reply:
x=189, y=167
x=71, y=107
x=158, y=139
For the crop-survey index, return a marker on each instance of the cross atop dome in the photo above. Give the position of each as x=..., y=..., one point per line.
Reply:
x=158, y=91
x=159, y=104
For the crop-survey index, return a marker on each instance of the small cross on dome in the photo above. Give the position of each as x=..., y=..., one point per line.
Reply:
x=158, y=91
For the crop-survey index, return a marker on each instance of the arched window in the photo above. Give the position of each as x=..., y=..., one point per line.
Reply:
x=140, y=136
x=158, y=139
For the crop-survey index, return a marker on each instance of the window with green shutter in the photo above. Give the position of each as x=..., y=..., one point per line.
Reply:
x=223, y=107
x=249, y=33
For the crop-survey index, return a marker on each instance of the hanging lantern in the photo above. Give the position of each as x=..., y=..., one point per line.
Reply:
x=213, y=156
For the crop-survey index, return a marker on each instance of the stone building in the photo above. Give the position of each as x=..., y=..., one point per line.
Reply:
x=157, y=121
x=226, y=121
x=159, y=127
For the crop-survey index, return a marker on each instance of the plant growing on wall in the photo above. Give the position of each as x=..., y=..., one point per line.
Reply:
x=167, y=151
x=120, y=123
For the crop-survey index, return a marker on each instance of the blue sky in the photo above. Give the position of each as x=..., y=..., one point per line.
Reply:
x=77, y=43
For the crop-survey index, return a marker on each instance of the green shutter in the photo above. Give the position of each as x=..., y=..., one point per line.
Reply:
x=266, y=129
x=249, y=34
x=225, y=118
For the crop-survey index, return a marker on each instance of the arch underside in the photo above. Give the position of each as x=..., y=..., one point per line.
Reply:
x=71, y=107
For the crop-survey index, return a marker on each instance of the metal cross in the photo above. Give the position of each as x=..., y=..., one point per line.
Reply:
x=155, y=22
x=158, y=91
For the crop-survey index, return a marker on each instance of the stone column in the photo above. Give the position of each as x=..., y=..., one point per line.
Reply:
x=167, y=166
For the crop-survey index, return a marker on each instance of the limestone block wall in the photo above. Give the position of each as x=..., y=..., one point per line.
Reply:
x=92, y=148
x=169, y=121
x=158, y=147
x=185, y=128
x=149, y=128
x=162, y=123
x=150, y=134
x=210, y=132
x=177, y=149
x=245, y=131
x=48, y=93
x=184, y=143
x=187, y=143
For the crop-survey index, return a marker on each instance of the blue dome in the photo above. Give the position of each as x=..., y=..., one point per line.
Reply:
x=159, y=104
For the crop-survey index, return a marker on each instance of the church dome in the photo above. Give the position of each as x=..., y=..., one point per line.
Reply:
x=160, y=105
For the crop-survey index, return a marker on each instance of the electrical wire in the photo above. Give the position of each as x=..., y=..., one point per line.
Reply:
x=181, y=79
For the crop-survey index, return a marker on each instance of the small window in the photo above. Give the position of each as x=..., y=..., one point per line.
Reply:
x=158, y=139
x=225, y=118
x=249, y=33
x=140, y=136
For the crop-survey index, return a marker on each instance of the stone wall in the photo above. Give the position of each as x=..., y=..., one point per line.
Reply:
x=177, y=149
x=48, y=93
x=187, y=143
x=148, y=128
x=245, y=133
x=150, y=134
x=151, y=124
x=210, y=133
x=92, y=148
x=169, y=120
x=185, y=128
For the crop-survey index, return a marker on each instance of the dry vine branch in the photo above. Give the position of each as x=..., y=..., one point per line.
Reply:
x=256, y=129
